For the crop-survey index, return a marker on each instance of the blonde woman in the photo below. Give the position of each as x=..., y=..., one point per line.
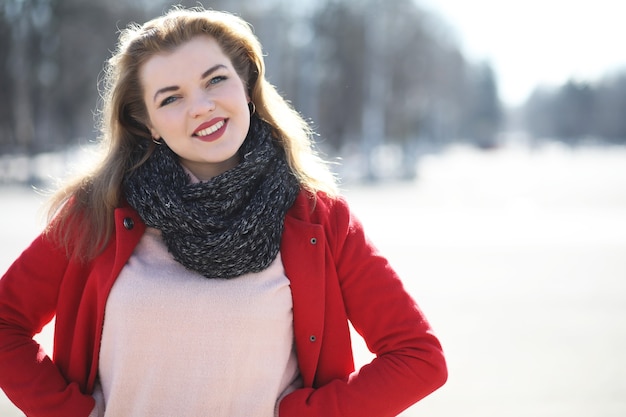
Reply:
x=208, y=265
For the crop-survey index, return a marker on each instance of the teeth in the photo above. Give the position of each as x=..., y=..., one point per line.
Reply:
x=206, y=132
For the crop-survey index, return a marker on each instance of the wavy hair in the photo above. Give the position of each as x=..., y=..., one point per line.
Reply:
x=81, y=212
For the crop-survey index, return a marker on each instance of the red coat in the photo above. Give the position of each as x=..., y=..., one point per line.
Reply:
x=335, y=273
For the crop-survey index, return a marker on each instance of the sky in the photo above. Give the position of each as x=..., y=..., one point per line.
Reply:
x=539, y=42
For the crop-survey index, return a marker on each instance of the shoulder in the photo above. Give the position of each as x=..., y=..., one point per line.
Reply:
x=318, y=208
x=331, y=214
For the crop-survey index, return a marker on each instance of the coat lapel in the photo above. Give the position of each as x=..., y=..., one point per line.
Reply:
x=302, y=252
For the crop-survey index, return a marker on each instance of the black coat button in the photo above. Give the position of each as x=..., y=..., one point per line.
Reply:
x=129, y=223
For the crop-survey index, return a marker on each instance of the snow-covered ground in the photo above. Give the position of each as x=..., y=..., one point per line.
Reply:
x=518, y=258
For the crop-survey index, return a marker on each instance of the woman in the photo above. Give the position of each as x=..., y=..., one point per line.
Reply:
x=207, y=266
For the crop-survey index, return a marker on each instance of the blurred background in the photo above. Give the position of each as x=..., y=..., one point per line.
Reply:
x=482, y=143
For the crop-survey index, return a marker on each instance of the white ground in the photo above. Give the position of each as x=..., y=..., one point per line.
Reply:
x=517, y=257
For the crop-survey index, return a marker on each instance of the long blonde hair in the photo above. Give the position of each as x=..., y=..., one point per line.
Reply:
x=82, y=211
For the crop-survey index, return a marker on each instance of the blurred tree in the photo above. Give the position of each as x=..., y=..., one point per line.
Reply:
x=340, y=33
x=537, y=114
x=579, y=110
x=610, y=109
x=22, y=22
x=391, y=73
x=573, y=112
x=483, y=109
x=56, y=49
x=7, y=136
x=86, y=36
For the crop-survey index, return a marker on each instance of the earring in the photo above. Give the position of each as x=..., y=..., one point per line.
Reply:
x=157, y=141
x=251, y=107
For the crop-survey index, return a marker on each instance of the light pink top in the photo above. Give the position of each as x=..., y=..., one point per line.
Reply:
x=177, y=344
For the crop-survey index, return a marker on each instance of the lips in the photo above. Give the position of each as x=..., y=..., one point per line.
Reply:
x=207, y=129
x=211, y=130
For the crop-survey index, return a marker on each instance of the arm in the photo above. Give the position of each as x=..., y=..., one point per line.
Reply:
x=28, y=295
x=409, y=362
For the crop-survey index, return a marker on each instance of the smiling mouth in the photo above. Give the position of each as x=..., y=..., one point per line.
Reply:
x=210, y=130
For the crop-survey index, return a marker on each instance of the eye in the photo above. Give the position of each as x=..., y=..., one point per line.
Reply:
x=216, y=80
x=168, y=100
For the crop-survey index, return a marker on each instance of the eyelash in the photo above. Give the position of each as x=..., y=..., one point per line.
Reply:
x=167, y=101
x=215, y=80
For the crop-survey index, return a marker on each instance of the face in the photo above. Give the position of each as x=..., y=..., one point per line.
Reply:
x=198, y=105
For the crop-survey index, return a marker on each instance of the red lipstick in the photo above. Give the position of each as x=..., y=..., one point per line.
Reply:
x=211, y=130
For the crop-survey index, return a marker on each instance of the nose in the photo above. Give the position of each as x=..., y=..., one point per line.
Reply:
x=201, y=104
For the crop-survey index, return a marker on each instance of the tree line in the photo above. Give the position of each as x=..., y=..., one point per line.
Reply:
x=580, y=111
x=365, y=72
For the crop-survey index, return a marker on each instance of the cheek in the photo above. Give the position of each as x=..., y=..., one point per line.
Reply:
x=163, y=121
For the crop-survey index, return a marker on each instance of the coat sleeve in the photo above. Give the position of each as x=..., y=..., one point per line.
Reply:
x=28, y=295
x=409, y=362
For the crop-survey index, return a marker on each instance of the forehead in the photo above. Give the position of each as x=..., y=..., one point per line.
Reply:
x=189, y=59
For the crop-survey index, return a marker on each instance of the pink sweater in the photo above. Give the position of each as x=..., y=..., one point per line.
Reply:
x=177, y=344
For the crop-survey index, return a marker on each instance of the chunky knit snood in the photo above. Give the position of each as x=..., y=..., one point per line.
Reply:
x=224, y=227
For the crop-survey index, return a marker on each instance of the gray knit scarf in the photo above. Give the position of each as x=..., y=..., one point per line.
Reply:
x=224, y=227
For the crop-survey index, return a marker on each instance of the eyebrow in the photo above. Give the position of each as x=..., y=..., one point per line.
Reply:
x=205, y=74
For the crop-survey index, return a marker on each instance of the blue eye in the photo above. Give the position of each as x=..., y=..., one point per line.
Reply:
x=216, y=80
x=168, y=100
